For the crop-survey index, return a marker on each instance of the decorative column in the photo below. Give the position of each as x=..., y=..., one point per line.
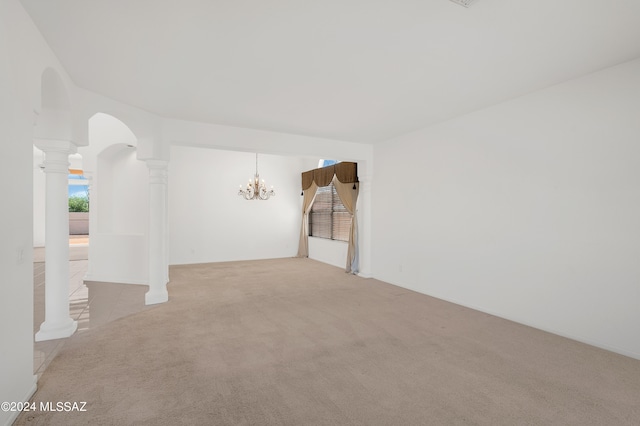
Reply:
x=166, y=233
x=157, y=232
x=57, y=324
x=93, y=216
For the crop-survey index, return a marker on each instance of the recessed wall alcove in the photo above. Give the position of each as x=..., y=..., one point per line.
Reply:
x=119, y=203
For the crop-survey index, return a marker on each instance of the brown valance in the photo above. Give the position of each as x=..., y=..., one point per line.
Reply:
x=345, y=172
x=307, y=179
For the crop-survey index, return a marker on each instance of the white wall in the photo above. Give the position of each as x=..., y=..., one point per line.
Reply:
x=528, y=210
x=118, y=258
x=17, y=37
x=311, y=149
x=120, y=206
x=210, y=222
x=122, y=192
x=17, y=381
x=119, y=203
x=328, y=251
x=39, y=186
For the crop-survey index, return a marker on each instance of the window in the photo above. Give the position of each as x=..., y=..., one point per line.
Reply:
x=328, y=217
x=78, y=192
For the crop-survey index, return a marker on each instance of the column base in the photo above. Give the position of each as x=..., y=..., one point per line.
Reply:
x=60, y=330
x=155, y=297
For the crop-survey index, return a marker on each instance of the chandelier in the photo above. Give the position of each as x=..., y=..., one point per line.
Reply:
x=256, y=189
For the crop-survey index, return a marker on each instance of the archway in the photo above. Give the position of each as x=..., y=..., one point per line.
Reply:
x=119, y=194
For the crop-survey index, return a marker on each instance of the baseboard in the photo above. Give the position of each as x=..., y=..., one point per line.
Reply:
x=580, y=339
x=13, y=415
x=115, y=280
x=560, y=333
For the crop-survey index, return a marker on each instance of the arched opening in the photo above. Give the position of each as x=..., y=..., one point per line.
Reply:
x=119, y=196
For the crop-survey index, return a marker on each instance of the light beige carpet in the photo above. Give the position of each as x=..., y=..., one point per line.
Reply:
x=297, y=342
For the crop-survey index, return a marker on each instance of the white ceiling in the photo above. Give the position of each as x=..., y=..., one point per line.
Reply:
x=357, y=70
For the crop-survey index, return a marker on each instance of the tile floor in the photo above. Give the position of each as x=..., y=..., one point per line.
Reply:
x=91, y=304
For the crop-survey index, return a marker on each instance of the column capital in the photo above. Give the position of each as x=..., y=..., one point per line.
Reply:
x=56, y=154
x=56, y=145
x=158, y=171
x=157, y=164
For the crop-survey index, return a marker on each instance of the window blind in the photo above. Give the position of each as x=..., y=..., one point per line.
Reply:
x=328, y=217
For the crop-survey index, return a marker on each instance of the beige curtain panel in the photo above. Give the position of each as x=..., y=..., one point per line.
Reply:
x=345, y=179
x=309, y=195
x=349, y=197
